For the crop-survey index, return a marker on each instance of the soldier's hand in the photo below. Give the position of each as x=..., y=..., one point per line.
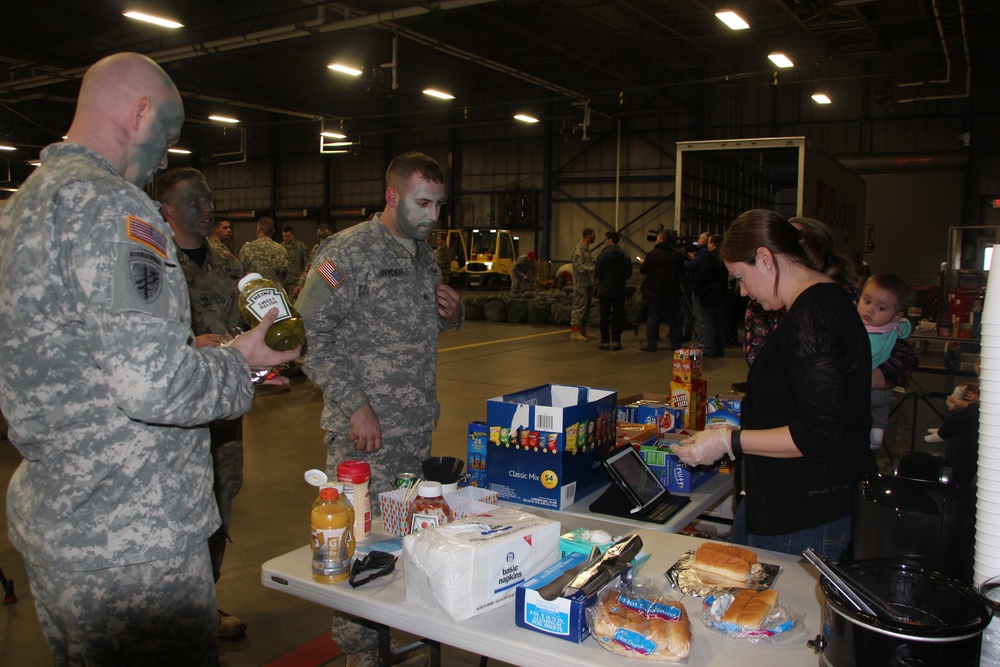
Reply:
x=449, y=303
x=366, y=429
x=256, y=351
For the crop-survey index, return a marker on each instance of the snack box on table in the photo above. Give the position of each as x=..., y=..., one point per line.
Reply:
x=564, y=617
x=724, y=409
x=691, y=397
x=673, y=474
x=686, y=365
x=476, y=452
x=546, y=443
x=472, y=566
x=651, y=409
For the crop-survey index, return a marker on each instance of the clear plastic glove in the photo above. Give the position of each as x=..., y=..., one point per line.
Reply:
x=705, y=447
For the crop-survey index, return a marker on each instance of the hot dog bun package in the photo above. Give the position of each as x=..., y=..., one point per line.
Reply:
x=474, y=565
x=645, y=621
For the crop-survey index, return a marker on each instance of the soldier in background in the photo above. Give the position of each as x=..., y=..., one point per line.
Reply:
x=323, y=232
x=298, y=258
x=583, y=286
x=113, y=505
x=264, y=256
x=186, y=204
x=221, y=237
x=445, y=256
x=523, y=274
x=373, y=305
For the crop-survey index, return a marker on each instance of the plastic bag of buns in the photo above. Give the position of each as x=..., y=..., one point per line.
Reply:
x=644, y=621
x=749, y=614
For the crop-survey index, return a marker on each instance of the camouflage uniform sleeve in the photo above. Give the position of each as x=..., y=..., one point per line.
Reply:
x=329, y=293
x=137, y=334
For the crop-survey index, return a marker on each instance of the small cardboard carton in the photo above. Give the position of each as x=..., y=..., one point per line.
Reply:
x=651, y=409
x=673, y=474
x=687, y=365
x=724, y=409
x=546, y=443
x=691, y=397
x=564, y=617
x=475, y=474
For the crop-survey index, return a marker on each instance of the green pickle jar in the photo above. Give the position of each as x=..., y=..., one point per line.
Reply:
x=259, y=295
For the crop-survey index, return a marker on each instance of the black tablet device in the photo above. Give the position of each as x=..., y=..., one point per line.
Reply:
x=628, y=469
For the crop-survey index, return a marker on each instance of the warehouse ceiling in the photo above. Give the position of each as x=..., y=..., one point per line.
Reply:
x=266, y=60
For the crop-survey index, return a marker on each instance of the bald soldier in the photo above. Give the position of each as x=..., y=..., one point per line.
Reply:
x=113, y=505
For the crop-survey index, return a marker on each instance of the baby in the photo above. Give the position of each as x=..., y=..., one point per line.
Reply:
x=882, y=306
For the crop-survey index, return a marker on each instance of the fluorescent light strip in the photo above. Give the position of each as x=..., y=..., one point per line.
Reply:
x=780, y=60
x=7, y=148
x=438, y=94
x=333, y=135
x=179, y=151
x=223, y=119
x=344, y=69
x=820, y=98
x=165, y=23
x=525, y=118
x=733, y=20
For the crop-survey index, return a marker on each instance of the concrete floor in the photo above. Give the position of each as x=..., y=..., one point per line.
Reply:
x=283, y=440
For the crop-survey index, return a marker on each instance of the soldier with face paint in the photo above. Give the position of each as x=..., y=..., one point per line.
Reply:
x=373, y=305
x=104, y=389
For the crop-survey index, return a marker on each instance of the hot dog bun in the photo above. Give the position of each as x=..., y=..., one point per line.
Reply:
x=655, y=622
x=724, y=560
x=750, y=609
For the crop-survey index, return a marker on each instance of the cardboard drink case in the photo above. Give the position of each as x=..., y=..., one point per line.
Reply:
x=545, y=444
x=471, y=566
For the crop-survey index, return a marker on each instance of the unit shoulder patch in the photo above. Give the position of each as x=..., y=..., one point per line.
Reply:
x=330, y=273
x=146, y=273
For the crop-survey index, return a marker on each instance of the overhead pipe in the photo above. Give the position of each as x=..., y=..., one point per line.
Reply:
x=944, y=47
x=968, y=65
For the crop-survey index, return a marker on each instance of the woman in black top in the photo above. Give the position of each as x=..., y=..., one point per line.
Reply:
x=806, y=414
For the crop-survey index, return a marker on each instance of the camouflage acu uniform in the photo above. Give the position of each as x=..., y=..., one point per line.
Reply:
x=445, y=255
x=212, y=288
x=105, y=410
x=267, y=258
x=583, y=285
x=526, y=267
x=298, y=262
x=214, y=241
x=372, y=334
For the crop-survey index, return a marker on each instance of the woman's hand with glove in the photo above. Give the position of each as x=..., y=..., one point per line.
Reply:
x=705, y=447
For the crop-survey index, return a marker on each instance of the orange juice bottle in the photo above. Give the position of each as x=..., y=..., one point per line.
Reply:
x=332, y=540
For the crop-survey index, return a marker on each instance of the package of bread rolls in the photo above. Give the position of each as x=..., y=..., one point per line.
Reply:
x=757, y=615
x=645, y=620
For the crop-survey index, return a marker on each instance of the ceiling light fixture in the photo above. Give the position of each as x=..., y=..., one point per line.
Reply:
x=344, y=69
x=224, y=119
x=179, y=151
x=780, y=60
x=438, y=94
x=165, y=23
x=7, y=148
x=333, y=135
x=733, y=20
x=820, y=98
x=524, y=118
x=339, y=144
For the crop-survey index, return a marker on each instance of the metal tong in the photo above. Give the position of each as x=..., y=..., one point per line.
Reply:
x=860, y=597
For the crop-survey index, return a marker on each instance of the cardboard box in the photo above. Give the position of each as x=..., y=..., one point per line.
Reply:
x=635, y=435
x=724, y=409
x=546, y=443
x=651, y=409
x=687, y=365
x=564, y=617
x=477, y=448
x=691, y=397
x=673, y=474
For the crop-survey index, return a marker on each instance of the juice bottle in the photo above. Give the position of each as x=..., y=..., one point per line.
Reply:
x=346, y=502
x=429, y=509
x=259, y=295
x=331, y=538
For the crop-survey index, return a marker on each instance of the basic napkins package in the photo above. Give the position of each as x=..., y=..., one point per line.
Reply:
x=474, y=565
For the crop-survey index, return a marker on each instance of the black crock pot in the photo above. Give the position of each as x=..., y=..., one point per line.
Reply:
x=952, y=619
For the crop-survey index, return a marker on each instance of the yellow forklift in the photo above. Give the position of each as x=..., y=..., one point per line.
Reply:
x=482, y=257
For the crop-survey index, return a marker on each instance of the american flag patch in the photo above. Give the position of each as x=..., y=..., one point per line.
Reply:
x=146, y=234
x=330, y=273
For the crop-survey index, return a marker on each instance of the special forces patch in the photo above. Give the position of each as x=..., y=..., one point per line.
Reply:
x=146, y=271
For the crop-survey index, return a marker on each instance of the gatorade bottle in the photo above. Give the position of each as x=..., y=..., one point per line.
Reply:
x=331, y=538
x=259, y=295
x=346, y=502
